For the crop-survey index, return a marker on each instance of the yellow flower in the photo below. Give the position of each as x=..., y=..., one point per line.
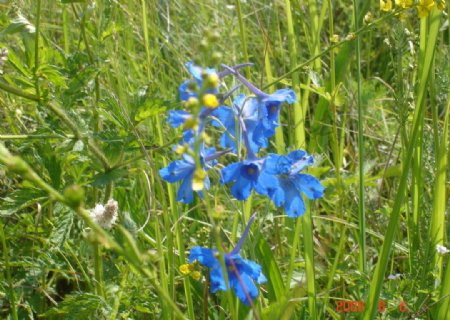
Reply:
x=404, y=3
x=386, y=5
x=196, y=275
x=425, y=7
x=186, y=268
x=198, y=181
x=441, y=5
x=210, y=101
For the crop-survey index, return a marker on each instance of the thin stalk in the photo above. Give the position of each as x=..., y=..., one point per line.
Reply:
x=6, y=87
x=36, y=47
x=98, y=269
x=242, y=34
x=298, y=113
x=380, y=269
x=309, y=261
x=361, y=206
x=357, y=34
x=7, y=268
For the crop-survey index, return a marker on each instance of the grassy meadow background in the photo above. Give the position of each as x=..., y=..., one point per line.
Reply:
x=84, y=94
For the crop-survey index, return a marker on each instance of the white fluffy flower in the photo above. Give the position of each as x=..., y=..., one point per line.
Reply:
x=441, y=249
x=395, y=276
x=105, y=216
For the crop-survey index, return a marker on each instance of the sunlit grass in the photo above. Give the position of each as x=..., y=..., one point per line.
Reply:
x=83, y=99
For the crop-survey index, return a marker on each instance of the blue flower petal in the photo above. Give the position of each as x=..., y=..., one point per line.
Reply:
x=217, y=279
x=242, y=188
x=243, y=286
x=276, y=164
x=309, y=185
x=176, y=170
x=267, y=184
x=185, y=193
x=205, y=256
x=230, y=172
x=294, y=204
x=184, y=92
x=177, y=118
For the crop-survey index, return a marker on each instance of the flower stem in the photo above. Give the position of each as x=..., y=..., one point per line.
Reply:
x=98, y=269
x=7, y=268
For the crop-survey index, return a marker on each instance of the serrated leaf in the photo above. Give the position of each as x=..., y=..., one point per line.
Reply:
x=21, y=199
x=62, y=225
x=103, y=179
x=78, y=306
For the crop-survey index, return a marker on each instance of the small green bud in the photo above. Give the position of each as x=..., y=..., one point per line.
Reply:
x=74, y=195
x=213, y=35
x=204, y=45
x=216, y=57
x=192, y=86
x=212, y=80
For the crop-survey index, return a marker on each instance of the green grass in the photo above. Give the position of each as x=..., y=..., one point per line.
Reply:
x=83, y=100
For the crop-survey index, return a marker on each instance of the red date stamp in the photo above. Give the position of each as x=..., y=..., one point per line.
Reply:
x=344, y=306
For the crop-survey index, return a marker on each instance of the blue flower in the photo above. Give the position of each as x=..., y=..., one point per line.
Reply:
x=242, y=273
x=269, y=110
x=291, y=183
x=183, y=170
x=185, y=91
x=245, y=112
x=258, y=114
x=248, y=175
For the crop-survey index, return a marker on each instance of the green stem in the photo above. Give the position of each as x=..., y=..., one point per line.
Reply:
x=36, y=48
x=6, y=87
x=243, y=35
x=12, y=295
x=380, y=269
x=361, y=207
x=98, y=269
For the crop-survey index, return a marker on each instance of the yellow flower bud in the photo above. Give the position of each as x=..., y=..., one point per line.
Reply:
x=180, y=149
x=210, y=101
x=212, y=80
x=190, y=123
x=196, y=275
x=191, y=103
x=198, y=181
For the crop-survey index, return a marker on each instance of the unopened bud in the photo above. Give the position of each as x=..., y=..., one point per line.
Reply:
x=192, y=103
x=74, y=196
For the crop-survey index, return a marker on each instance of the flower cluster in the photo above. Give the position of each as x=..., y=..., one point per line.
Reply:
x=248, y=123
x=424, y=7
x=245, y=126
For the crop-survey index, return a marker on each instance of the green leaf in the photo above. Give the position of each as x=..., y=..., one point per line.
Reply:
x=79, y=306
x=103, y=179
x=21, y=199
x=19, y=24
x=62, y=225
x=271, y=271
